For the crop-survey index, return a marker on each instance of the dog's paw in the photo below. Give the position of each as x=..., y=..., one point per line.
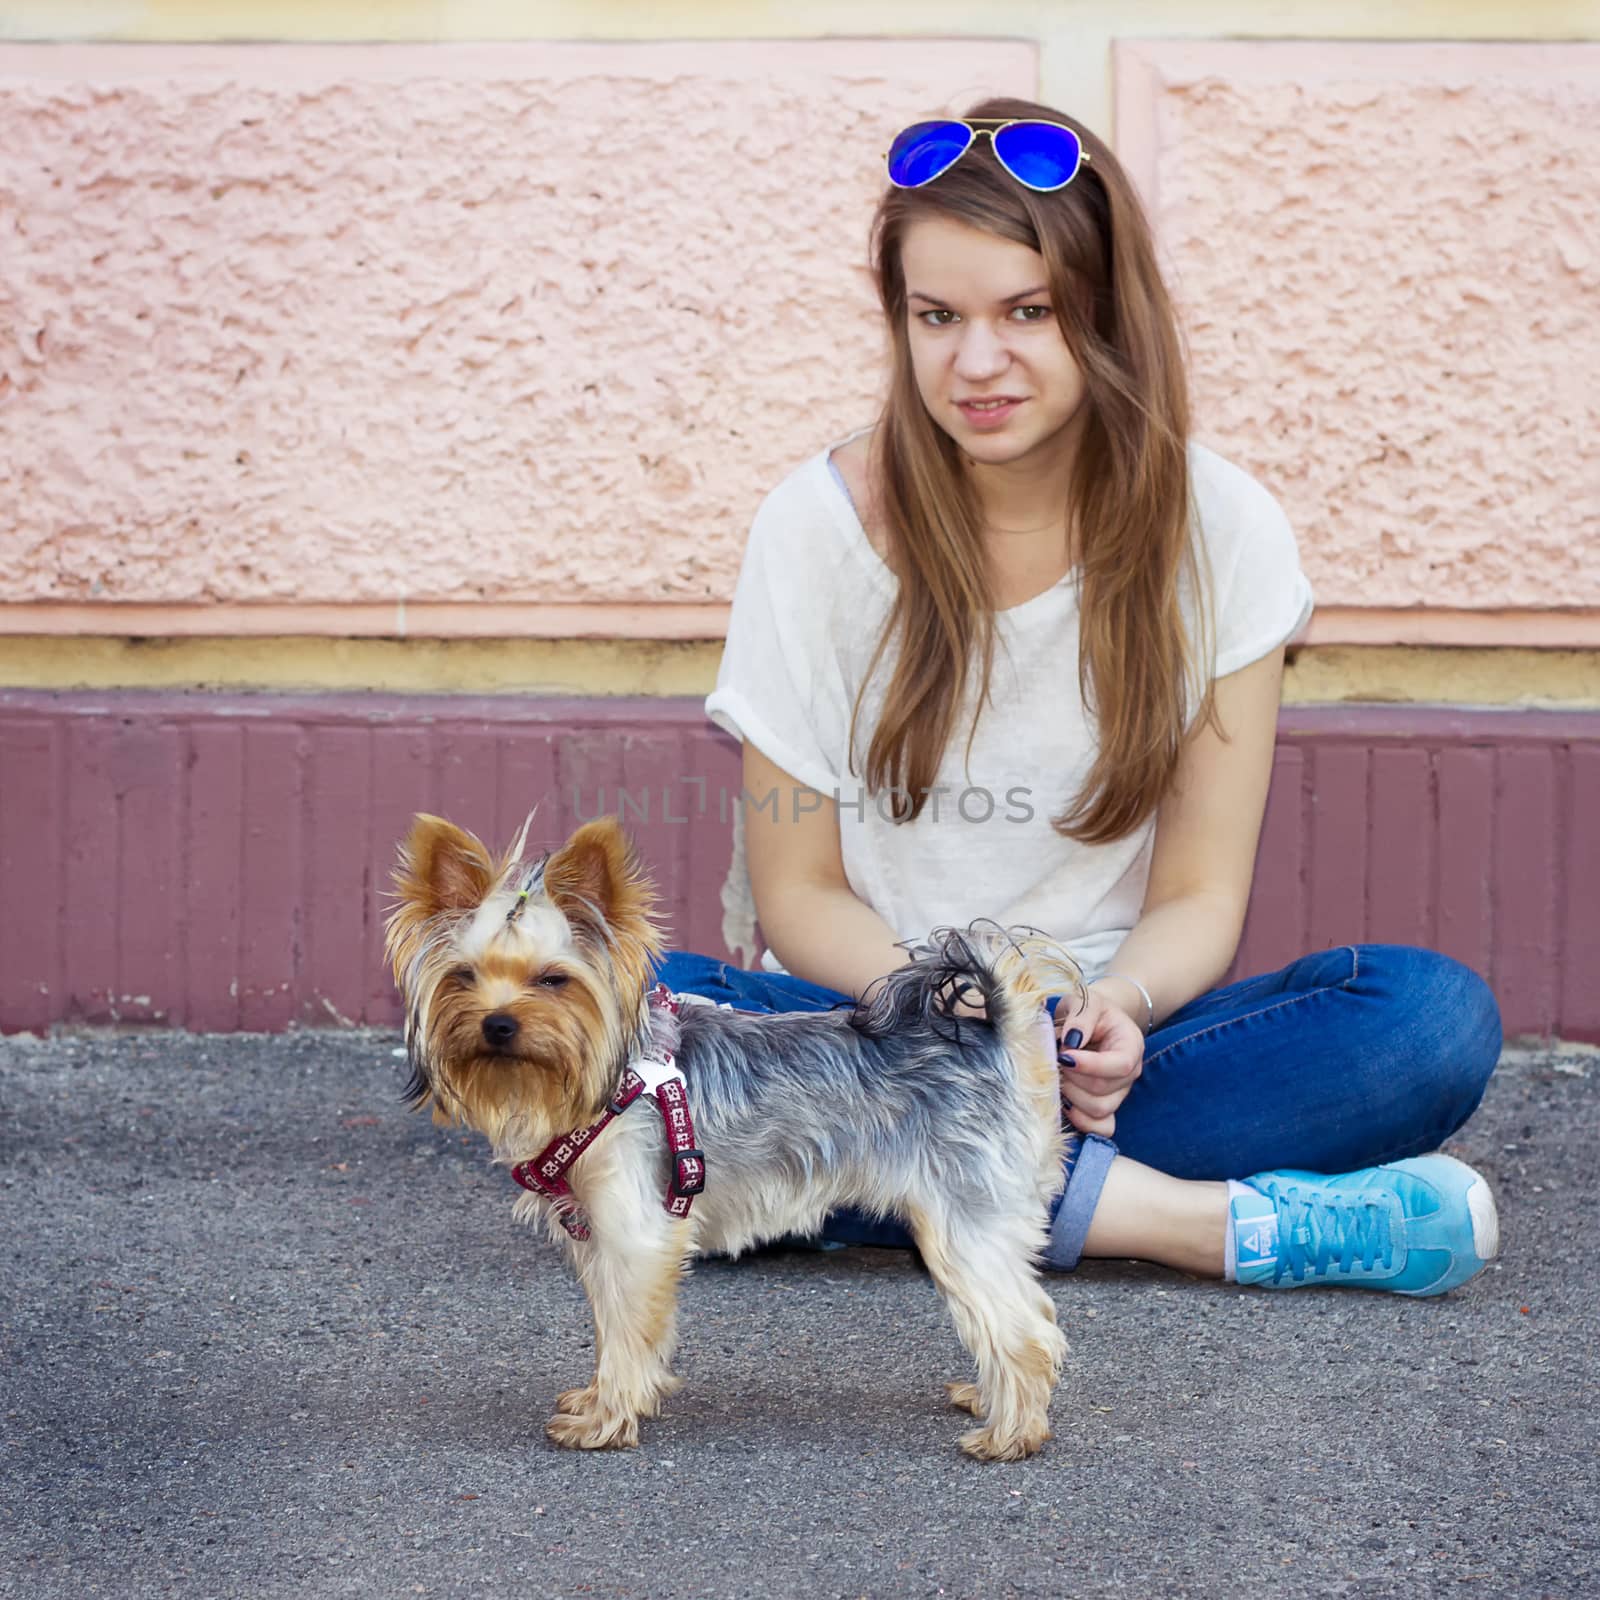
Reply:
x=990, y=1444
x=593, y=1431
x=964, y=1397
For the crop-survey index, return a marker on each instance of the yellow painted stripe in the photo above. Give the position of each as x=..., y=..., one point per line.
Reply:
x=251, y=20
x=1316, y=674
x=1375, y=627
x=396, y=666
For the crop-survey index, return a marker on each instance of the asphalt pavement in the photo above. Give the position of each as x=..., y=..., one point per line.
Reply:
x=264, y=1333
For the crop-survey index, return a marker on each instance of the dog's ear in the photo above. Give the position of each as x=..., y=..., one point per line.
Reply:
x=594, y=874
x=442, y=867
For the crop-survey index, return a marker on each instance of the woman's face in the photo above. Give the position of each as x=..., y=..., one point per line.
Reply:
x=991, y=363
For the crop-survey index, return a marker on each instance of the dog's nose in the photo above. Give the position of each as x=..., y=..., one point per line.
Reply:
x=499, y=1029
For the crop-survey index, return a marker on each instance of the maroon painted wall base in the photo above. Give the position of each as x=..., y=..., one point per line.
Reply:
x=215, y=862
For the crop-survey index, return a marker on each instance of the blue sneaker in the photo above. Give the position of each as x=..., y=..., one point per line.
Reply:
x=1418, y=1227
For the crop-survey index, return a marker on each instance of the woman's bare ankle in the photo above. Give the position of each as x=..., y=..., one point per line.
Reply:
x=1147, y=1216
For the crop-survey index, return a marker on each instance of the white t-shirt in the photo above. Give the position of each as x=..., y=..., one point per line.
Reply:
x=810, y=604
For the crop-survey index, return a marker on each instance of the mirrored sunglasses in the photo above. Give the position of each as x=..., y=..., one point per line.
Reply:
x=1042, y=156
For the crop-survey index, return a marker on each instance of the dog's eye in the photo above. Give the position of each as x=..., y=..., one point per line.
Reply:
x=463, y=975
x=552, y=980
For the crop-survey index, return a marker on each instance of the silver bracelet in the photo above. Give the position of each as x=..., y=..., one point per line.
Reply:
x=1149, y=1004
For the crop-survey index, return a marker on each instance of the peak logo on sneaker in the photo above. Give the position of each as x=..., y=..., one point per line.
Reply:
x=1257, y=1242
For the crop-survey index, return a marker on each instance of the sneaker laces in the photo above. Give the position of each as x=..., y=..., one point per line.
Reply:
x=1315, y=1230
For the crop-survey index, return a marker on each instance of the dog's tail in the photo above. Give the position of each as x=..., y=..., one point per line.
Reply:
x=983, y=972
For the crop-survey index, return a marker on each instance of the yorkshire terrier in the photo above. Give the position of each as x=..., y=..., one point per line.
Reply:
x=531, y=1015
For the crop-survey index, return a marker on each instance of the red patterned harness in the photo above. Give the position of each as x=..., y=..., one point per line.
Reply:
x=546, y=1174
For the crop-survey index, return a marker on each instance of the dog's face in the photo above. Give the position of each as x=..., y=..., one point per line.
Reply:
x=522, y=982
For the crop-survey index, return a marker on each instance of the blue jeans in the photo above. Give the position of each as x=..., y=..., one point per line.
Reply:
x=1342, y=1059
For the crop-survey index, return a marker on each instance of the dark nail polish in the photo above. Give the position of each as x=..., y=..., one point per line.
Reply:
x=1073, y=1039
x=1066, y=1061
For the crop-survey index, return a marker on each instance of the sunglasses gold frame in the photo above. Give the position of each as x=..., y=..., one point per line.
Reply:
x=992, y=126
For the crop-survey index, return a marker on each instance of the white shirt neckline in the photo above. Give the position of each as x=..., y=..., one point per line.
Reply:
x=1065, y=588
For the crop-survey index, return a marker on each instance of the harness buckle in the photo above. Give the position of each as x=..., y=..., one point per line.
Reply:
x=688, y=1173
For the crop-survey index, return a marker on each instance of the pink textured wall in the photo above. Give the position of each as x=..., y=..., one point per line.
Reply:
x=1388, y=261
x=522, y=323
x=375, y=339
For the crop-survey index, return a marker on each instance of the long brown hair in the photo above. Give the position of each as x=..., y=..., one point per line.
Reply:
x=1137, y=661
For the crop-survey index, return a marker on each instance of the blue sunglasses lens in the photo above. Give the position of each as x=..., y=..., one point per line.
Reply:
x=921, y=152
x=1040, y=155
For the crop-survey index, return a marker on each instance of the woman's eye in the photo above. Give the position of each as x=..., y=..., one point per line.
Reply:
x=943, y=317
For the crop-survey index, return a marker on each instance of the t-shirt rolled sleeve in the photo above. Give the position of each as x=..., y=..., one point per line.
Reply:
x=1265, y=600
x=773, y=681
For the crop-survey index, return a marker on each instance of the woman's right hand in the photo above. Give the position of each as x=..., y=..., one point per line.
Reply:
x=1106, y=1060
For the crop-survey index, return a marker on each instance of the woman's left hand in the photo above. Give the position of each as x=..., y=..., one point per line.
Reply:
x=1108, y=1060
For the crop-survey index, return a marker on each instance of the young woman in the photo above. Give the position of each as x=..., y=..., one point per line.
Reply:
x=1016, y=652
